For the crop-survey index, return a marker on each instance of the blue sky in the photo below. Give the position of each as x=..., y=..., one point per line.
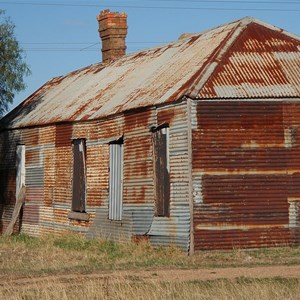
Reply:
x=60, y=36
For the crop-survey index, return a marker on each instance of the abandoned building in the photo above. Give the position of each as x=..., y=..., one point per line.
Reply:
x=195, y=143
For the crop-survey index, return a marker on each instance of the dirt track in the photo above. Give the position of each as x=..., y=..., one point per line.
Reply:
x=153, y=275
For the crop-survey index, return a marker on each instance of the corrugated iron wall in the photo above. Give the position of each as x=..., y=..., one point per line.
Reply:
x=175, y=229
x=49, y=172
x=138, y=202
x=8, y=145
x=246, y=173
x=138, y=179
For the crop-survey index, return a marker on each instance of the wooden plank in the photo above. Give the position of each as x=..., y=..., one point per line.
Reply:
x=16, y=212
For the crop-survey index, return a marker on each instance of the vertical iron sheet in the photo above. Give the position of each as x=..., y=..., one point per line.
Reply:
x=115, y=181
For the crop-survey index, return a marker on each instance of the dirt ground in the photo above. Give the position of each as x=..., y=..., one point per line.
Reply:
x=154, y=275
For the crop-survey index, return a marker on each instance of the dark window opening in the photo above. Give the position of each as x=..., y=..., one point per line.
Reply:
x=162, y=174
x=79, y=175
x=115, y=180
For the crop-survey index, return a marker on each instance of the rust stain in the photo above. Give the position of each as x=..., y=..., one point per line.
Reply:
x=240, y=239
x=166, y=116
x=47, y=135
x=30, y=136
x=32, y=157
x=250, y=174
x=252, y=62
x=31, y=214
x=63, y=135
x=189, y=86
x=136, y=119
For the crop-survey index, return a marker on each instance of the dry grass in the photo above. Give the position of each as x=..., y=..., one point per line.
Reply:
x=242, y=288
x=22, y=255
x=52, y=259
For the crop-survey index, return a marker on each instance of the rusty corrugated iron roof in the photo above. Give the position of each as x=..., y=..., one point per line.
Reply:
x=243, y=59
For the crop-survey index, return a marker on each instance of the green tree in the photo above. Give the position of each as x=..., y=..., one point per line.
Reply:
x=12, y=65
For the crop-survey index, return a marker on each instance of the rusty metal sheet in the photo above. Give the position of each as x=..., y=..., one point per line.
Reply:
x=175, y=230
x=245, y=58
x=96, y=175
x=262, y=62
x=136, y=220
x=63, y=135
x=138, y=187
x=47, y=135
x=30, y=215
x=49, y=175
x=162, y=172
x=138, y=164
x=85, y=130
x=79, y=175
x=239, y=239
x=8, y=175
x=246, y=174
x=30, y=136
x=49, y=168
x=62, y=191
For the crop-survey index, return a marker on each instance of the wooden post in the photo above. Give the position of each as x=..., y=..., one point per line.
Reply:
x=19, y=202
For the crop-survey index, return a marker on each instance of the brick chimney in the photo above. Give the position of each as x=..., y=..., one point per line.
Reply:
x=112, y=30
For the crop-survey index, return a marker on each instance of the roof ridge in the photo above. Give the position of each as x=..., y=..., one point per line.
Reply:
x=270, y=26
x=207, y=72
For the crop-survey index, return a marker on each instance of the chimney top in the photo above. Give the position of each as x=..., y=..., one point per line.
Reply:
x=113, y=31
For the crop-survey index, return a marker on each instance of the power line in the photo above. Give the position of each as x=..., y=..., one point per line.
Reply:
x=69, y=49
x=159, y=7
x=57, y=49
x=89, y=46
x=227, y=1
x=85, y=43
x=134, y=6
x=57, y=43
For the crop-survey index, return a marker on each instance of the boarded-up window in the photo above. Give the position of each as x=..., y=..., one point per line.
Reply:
x=115, y=180
x=79, y=175
x=162, y=176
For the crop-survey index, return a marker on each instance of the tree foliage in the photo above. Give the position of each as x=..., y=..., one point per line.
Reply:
x=12, y=65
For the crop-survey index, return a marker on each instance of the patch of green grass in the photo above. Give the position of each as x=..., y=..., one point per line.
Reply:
x=19, y=239
x=74, y=243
